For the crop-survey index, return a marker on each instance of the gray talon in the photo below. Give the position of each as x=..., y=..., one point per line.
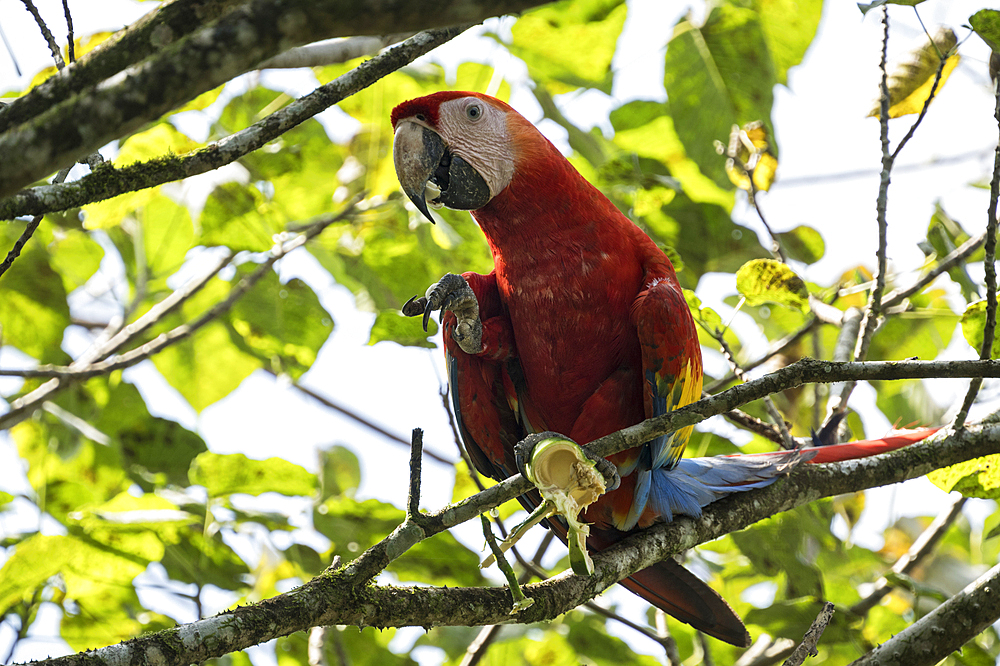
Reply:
x=452, y=293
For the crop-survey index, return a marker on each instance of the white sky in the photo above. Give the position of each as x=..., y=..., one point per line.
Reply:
x=821, y=130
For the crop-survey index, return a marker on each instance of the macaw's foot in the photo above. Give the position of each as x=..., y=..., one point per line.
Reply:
x=452, y=294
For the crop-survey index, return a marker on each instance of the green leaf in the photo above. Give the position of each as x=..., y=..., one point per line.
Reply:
x=725, y=66
x=205, y=560
x=803, y=243
x=284, y=325
x=789, y=27
x=69, y=472
x=209, y=365
x=225, y=474
x=974, y=327
x=34, y=311
x=76, y=257
x=339, y=472
x=944, y=235
x=769, y=281
x=391, y=325
x=570, y=44
x=86, y=568
x=239, y=217
x=867, y=7
x=647, y=130
x=986, y=23
x=155, y=451
x=112, y=616
x=973, y=478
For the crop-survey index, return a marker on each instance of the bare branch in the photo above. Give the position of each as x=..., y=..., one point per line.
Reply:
x=920, y=549
x=809, y=642
x=989, y=330
x=46, y=34
x=201, y=61
x=331, y=51
x=945, y=629
x=110, y=182
x=22, y=406
x=345, y=596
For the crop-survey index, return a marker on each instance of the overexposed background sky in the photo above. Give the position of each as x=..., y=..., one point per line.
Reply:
x=822, y=133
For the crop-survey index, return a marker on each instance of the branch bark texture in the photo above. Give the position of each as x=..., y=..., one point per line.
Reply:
x=346, y=596
x=205, y=59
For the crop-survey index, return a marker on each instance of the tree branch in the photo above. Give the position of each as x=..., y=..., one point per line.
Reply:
x=22, y=406
x=110, y=182
x=345, y=596
x=945, y=629
x=235, y=43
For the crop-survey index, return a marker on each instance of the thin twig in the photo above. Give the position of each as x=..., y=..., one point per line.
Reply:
x=991, y=276
x=875, y=308
x=808, y=645
x=413, y=497
x=671, y=652
x=23, y=405
x=786, y=438
x=46, y=34
x=371, y=425
x=478, y=648
x=29, y=230
x=753, y=424
x=954, y=258
x=70, y=46
x=918, y=550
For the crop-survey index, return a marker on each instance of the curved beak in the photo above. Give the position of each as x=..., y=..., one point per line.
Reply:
x=429, y=173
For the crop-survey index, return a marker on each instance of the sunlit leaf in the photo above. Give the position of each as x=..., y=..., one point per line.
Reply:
x=974, y=327
x=723, y=65
x=986, y=23
x=866, y=7
x=803, y=243
x=570, y=44
x=973, y=478
x=282, y=324
x=339, y=472
x=76, y=257
x=789, y=27
x=226, y=474
x=34, y=311
x=769, y=281
x=912, y=78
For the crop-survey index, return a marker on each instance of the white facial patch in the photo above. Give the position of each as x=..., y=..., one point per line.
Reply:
x=477, y=132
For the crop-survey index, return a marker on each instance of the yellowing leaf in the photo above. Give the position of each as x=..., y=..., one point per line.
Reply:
x=973, y=478
x=912, y=79
x=973, y=326
x=750, y=152
x=766, y=280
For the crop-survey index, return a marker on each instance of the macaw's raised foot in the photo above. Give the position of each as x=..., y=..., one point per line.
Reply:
x=451, y=294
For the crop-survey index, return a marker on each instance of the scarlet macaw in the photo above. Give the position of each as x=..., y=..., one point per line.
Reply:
x=581, y=329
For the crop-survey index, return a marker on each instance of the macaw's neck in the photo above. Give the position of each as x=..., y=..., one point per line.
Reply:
x=546, y=202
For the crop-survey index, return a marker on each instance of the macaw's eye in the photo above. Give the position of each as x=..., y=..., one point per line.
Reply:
x=421, y=117
x=474, y=112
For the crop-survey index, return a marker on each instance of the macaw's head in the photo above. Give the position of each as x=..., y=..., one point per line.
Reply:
x=455, y=149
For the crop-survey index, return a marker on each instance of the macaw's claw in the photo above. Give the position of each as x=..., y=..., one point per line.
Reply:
x=452, y=294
